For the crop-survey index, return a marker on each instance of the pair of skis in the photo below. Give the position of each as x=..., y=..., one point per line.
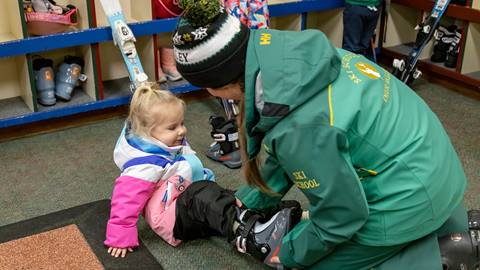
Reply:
x=406, y=69
x=124, y=39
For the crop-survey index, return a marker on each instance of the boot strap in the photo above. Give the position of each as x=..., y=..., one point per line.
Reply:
x=241, y=240
x=224, y=136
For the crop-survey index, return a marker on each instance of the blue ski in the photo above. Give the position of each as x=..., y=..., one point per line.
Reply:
x=124, y=39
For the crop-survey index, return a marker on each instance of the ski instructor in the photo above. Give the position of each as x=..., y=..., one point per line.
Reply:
x=373, y=160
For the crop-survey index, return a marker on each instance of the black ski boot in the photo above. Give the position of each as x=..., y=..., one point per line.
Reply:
x=461, y=251
x=261, y=236
x=443, y=39
x=225, y=149
x=452, y=53
x=474, y=219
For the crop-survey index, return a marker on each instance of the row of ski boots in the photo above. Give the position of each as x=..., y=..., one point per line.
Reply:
x=446, y=45
x=51, y=86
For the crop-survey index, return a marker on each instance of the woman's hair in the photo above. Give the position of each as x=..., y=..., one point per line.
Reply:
x=251, y=167
x=142, y=117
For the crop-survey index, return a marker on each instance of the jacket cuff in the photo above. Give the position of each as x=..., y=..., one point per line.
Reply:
x=119, y=236
x=242, y=194
x=253, y=198
x=286, y=259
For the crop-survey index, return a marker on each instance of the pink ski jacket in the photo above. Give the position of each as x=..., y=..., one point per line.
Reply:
x=153, y=175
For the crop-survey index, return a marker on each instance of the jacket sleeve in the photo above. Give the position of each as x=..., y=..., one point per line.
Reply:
x=317, y=160
x=275, y=178
x=129, y=197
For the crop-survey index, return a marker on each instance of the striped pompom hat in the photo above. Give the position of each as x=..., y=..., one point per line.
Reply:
x=210, y=45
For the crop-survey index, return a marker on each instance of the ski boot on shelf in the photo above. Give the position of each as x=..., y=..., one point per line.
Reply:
x=452, y=53
x=461, y=251
x=44, y=81
x=474, y=219
x=67, y=77
x=443, y=39
x=225, y=149
x=261, y=236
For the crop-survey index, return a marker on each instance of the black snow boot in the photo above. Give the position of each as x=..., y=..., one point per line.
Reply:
x=452, y=53
x=443, y=39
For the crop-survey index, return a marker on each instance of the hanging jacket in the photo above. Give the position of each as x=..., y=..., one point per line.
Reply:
x=370, y=3
x=370, y=156
x=150, y=169
x=252, y=13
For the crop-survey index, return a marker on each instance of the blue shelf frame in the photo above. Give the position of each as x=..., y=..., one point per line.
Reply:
x=103, y=34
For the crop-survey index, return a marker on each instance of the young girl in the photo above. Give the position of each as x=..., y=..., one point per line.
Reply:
x=157, y=165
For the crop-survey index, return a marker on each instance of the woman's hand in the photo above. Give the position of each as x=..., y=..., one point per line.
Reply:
x=275, y=259
x=115, y=252
x=238, y=203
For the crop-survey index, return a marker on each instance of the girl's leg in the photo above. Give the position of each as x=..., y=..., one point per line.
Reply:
x=206, y=209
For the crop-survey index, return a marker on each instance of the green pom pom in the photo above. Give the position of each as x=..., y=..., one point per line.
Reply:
x=200, y=12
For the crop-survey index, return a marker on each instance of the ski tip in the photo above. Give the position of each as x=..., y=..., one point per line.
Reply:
x=111, y=7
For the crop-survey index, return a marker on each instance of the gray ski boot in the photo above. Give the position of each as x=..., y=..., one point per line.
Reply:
x=67, y=77
x=44, y=81
x=225, y=149
x=260, y=236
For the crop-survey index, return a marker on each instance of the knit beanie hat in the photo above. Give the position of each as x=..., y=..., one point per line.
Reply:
x=210, y=45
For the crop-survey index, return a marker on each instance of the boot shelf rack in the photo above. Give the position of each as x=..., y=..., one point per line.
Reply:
x=107, y=84
x=399, y=36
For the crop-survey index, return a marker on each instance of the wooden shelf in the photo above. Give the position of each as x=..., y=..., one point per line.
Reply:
x=107, y=85
x=455, y=11
x=79, y=97
x=427, y=66
x=399, y=34
x=13, y=107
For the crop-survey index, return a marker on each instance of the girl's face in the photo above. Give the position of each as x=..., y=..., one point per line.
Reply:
x=229, y=91
x=169, y=128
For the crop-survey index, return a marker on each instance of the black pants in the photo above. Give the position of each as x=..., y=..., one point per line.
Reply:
x=359, y=23
x=204, y=209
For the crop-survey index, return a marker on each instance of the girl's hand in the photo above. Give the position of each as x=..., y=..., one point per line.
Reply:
x=115, y=252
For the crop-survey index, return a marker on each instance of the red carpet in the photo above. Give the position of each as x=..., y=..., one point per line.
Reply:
x=63, y=248
x=67, y=239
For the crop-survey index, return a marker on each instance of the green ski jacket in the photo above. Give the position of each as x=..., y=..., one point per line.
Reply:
x=373, y=160
x=364, y=2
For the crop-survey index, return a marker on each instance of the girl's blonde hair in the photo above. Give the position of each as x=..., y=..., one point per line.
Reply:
x=141, y=116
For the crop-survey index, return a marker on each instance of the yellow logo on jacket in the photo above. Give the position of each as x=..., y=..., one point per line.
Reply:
x=265, y=39
x=301, y=181
x=368, y=70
